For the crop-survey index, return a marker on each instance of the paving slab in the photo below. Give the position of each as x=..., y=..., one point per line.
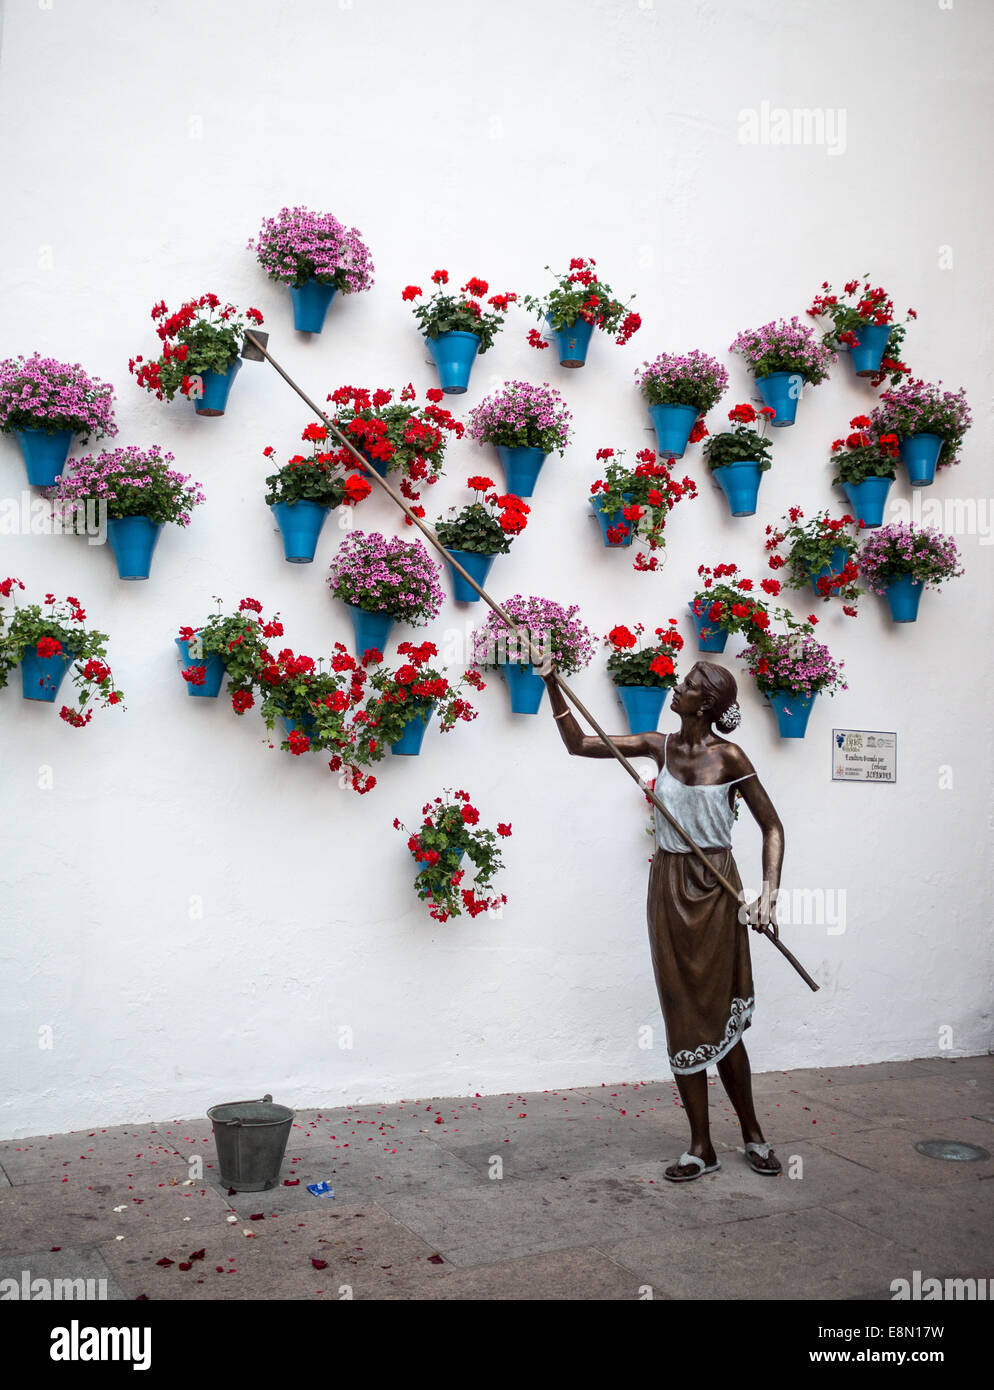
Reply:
x=42, y=1214
x=583, y=1273
x=910, y=1101
x=362, y=1251
x=952, y=1227
x=67, y=1274
x=142, y=1153
x=891, y=1151
x=794, y=1255
x=512, y=1219
x=564, y=1147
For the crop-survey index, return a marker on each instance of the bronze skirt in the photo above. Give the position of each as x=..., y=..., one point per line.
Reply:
x=700, y=956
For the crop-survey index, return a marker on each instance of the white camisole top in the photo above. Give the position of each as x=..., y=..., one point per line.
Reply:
x=704, y=812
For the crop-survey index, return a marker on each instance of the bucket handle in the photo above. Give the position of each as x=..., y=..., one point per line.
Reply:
x=264, y=1100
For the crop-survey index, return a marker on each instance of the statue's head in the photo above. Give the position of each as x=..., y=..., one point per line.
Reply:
x=712, y=692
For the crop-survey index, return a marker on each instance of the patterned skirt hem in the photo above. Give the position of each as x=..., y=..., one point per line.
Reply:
x=686, y=1063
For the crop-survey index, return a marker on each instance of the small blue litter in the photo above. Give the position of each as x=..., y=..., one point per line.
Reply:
x=321, y=1189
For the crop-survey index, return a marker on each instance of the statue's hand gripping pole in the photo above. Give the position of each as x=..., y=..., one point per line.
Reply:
x=255, y=349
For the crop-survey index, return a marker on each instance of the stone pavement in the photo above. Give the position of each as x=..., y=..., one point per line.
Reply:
x=550, y=1195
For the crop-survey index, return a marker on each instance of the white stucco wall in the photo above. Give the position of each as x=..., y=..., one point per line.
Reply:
x=142, y=144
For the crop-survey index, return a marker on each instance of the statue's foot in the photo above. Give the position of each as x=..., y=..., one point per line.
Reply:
x=762, y=1159
x=690, y=1166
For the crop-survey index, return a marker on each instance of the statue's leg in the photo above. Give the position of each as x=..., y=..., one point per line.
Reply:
x=694, y=1094
x=736, y=1077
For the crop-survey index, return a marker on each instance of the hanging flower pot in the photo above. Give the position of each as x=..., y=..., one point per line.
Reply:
x=920, y=453
x=572, y=342
x=643, y=705
x=300, y=525
x=314, y=255
x=213, y=671
x=867, y=351
x=904, y=594
x=608, y=523
x=454, y=354
x=310, y=305
x=409, y=743
x=478, y=565
x=711, y=636
x=781, y=391
x=784, y=356
x=133, y=540
x=304, y=725
x=215, y=387
x=792, y=711
x=371, y=628
x=379, y=466
x=740, y=484
x=868, y=498
x=526, y=687
x=521, y=468
x=836, y=564
x=44, y=454
x=41, y=676
x=673, y=425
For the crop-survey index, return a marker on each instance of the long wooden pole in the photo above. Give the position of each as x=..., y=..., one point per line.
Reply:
x=258, y=343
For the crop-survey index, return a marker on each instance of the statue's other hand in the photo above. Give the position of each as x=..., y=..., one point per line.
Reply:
x=546, y=669
x=760, y=915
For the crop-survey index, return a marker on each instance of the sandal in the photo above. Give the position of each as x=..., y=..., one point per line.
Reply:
x=762, y=1151
x=702, y=1168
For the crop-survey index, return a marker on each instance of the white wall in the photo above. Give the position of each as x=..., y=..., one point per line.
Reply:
x=142, y=144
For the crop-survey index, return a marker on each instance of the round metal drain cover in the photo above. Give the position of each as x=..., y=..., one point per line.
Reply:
x=952, y=1149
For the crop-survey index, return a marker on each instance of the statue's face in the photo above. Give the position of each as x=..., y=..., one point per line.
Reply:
x=691, y=696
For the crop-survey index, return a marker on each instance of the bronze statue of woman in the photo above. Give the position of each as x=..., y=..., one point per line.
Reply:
x=700, y=951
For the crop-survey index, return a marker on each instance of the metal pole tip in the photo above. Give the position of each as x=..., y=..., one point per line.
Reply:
x=254, y=341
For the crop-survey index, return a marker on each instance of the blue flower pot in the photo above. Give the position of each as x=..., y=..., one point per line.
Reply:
x=526, y=687
x=133, y=539
x=41, y=676
x=478, y=565
x=781, y=391
x=643, y=705
x=791, y=710
x=920, y=453
x=310, y=304
x=300, y=524
x=673, y=424
x=740, y=484
x=411, y=739
x=449, y=861
x=305, y=725
x=867, y=499
x=840, y=556
x=710, y=637
x=868, y=353
x=371, y=629
x=615, y=519
x=216, y=388
x=213, y=671
x=572, y=342
x=521, y=468
x=377, y=465
x=904, y=594
x=44, y=454
x=454, y=355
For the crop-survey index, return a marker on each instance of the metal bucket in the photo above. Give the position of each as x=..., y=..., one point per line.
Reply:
x=251, y=1138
